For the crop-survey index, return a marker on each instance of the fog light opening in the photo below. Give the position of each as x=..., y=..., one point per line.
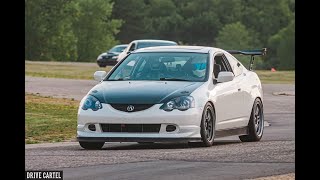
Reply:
x=170, y=128
x=92, y=127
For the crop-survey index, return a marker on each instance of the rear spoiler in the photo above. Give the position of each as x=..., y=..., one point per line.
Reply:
x=252, y=53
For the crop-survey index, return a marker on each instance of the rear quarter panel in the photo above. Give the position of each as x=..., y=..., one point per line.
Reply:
x=253, y=90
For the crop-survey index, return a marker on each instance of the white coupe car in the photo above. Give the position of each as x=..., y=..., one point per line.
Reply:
x=173, y=93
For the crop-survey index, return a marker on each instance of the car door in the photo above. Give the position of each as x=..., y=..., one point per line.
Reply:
x=244, y=85
x=228, y=98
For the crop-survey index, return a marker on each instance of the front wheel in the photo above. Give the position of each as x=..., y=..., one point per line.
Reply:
x=208, y=125
x=91, y=145
x=256, y=123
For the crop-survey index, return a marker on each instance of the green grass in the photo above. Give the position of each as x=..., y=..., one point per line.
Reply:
x=62, y=69
x=71, y=70
x=50, y=119
x=278, y=77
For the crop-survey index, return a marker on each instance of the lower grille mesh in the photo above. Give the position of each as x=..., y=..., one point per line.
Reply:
x=131, y=128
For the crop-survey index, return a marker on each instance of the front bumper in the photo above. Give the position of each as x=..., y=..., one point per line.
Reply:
x=135, y=139
x=107, y=61
x=187, y=124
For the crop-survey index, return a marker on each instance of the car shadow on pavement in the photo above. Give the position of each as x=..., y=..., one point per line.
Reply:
x=136, y=146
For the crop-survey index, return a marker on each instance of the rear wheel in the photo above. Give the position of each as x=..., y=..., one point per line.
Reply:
x=208, y=125
x=256, y=123
x=91, y=145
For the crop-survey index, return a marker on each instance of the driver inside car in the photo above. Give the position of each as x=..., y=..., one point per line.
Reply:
x=199, y=69
x=195, y=68
x=155, y=69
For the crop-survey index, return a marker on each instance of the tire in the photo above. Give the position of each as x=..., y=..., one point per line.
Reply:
x=256, y=123
x=207, y=125
x=91, y=145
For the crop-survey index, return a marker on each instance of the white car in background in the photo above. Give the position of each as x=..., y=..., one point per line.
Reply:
x=173, y=93
x=144, y=43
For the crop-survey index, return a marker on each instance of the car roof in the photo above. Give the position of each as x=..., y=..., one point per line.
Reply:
x=121, y=45
x=195, y=49
x=153, y=40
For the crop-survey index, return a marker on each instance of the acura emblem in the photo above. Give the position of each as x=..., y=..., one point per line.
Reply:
x=130, y=108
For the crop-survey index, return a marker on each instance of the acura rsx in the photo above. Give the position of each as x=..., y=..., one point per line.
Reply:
x=173, y=94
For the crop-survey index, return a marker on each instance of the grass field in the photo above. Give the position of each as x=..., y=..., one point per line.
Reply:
x=278, y=77
x=71, y=70
x=62, y=69
x=49, y=119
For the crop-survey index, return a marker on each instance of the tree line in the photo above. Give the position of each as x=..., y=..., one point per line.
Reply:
x=79, y=30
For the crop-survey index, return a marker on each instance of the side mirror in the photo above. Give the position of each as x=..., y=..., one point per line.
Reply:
x=99, y=75
x=225, y=76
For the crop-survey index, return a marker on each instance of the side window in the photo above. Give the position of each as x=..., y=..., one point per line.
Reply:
x=220, y=64
x=227, y=64
x=235, y=65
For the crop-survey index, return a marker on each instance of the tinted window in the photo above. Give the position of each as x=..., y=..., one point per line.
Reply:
x=151, y=44
x=117, y=49
x=162, y=66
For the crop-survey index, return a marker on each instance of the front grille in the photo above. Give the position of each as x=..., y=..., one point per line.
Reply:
x=137, y=107
x=131, y=128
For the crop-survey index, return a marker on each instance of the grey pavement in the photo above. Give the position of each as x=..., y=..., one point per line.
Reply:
x=227, y=159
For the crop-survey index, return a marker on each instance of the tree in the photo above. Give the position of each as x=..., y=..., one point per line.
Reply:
x=237, y=36
x=266, y=17
x=162, y=21
x=94, y=28
x=132, y=13
x=200, y=23
x=48, y=33
x=80, y=30
x=282, y=49
x=66, y=30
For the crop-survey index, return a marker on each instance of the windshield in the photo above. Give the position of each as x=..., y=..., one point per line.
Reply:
x=156, y=66
x=151, y=44
x=118, y=49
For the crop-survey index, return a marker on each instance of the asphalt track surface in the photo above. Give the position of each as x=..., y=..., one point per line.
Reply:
x=227, y=159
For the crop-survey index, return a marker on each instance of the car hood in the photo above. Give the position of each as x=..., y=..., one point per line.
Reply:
x=109, y=54
x=141, y=92
x=113, y=53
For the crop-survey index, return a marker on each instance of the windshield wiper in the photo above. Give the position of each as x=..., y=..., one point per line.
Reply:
x=120, y=79
x=172, y=79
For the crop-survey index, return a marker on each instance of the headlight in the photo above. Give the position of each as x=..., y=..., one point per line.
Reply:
x=181, y=103
x=91, y=103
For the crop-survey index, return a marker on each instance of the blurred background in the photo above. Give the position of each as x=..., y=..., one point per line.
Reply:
x=63, y=39
x=80, y=30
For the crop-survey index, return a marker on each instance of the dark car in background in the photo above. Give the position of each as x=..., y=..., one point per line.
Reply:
x=110, y=57
x=143, y=43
